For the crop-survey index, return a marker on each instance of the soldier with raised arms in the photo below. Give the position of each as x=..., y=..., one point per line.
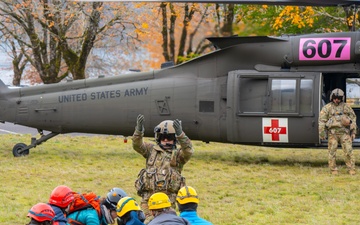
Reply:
x=164, y=161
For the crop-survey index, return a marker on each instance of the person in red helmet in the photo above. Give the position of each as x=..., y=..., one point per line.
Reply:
x=41, y=214
x=60, y=201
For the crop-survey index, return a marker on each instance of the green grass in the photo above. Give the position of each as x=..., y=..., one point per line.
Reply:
x=236, y=184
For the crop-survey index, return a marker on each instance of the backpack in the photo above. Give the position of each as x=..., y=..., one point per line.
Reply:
x=85, y=201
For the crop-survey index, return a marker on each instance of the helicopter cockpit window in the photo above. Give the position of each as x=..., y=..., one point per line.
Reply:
x=253, y=95
x=283, y=96
x=277, y=95
x=306, y=93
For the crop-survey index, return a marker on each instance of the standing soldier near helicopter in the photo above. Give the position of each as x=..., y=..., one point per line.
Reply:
x=164, y=161
x=337, y=120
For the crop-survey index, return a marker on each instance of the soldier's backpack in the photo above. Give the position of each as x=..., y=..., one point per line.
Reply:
x=84, y=201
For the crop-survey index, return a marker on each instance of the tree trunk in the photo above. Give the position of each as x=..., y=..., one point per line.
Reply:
x=164, y=31
x=227, y=29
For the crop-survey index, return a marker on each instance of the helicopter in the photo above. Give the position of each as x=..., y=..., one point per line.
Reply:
x=262, y=90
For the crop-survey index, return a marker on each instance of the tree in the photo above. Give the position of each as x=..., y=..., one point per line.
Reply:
x=15, y=51
x=277, y=20
x=179, y=29
x=61, y=34
x=225, y=15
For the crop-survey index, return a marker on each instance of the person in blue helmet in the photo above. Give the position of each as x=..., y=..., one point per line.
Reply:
x=112, y=199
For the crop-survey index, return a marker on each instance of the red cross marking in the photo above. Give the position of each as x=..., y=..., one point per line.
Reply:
x=275, y=130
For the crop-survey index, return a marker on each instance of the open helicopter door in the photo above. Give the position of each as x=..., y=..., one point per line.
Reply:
x=273, y=108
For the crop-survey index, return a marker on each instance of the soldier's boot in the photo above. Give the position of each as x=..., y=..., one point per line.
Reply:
x=352, y=172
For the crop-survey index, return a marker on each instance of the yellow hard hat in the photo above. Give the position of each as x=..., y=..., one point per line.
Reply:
x=126, y=204
x=187, y=194
x=159, y=201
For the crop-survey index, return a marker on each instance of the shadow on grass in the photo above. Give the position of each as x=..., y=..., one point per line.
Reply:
x=244, y=158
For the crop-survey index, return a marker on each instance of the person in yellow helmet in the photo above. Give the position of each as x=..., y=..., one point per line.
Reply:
x=164, y=161
x=187, y=201
x=160, y=207
x=129, y=212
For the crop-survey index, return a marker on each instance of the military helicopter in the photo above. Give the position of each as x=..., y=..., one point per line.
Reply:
x=264, y=91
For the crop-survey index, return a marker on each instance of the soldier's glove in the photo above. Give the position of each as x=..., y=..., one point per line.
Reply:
x=322, y=135
x=352, y=137
x=140, y=123
x=177, y=127
x=345, y=121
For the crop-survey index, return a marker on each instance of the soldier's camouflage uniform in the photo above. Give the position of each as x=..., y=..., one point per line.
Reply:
x=163, y=168
x=330, y=124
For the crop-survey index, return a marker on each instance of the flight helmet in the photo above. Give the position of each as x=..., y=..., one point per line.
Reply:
x=125, y=205
x=337, y=93
x=165, y=130
x=159, y=201
x=41, y=212
x=187, y=194
x=113, y=197
x=61, y=196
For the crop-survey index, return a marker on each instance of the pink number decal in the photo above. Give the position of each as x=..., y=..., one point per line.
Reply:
x=324, y=48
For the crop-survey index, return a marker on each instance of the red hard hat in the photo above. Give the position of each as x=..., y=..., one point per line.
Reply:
x=41, y=212
x=61, y=196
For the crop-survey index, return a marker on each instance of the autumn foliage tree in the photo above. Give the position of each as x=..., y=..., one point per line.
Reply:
x=61, y=34
x=278, y=20
x=180, y=29
x=180, y=25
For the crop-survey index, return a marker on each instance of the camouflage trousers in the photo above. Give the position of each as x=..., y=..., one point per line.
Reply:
x=145, y=208
x=346, y=143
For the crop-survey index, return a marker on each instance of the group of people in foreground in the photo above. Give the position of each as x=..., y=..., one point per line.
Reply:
x=116, y=207
x=160, y=185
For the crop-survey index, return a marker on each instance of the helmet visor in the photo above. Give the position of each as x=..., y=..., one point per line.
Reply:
x=169, y=137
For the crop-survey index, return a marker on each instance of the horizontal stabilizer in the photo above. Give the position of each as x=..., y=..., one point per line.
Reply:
x=2, y=85
x=224, y=42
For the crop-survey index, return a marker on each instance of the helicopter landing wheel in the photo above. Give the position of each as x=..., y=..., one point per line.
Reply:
x=17, y=150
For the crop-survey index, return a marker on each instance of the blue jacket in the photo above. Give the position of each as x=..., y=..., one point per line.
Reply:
x=60, y=218
x=134, y=219
x=193, y=218
x=87, y=216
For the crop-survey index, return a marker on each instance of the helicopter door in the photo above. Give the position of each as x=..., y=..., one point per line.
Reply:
x=273, y=108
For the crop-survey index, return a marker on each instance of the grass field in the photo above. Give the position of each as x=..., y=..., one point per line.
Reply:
x=236, y=184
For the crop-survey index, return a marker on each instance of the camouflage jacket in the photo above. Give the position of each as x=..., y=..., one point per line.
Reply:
x=331, y=118
x=163, y=167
